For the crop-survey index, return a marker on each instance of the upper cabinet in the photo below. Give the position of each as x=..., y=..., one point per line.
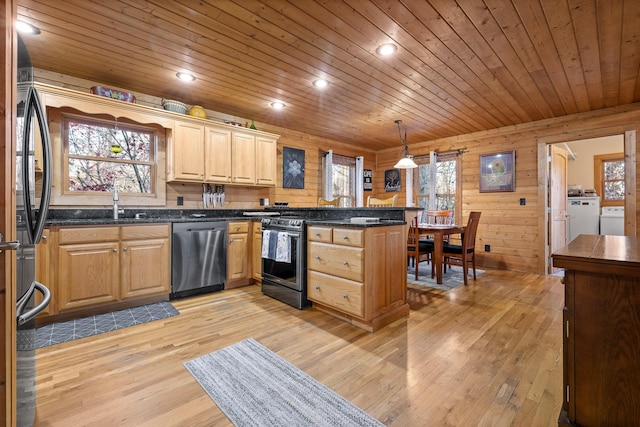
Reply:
x=198, y=150
x=221, y=154
x=266, y=161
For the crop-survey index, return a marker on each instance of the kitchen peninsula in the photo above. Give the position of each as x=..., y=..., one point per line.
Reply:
x=351, y=278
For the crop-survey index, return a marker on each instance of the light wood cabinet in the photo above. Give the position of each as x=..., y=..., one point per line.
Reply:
x=601, y=330
x=256, y=252
x=238, y=266
x=198, y=152
x=88, y=267
x=217, y=155
x=145, y=261
x=266, y=161
x=108, y=265
x=243, y=158
x=43, y=271
x=188, y=152
x=358, y=274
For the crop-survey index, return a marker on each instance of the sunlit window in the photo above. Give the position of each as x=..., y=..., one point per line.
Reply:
x=343, y=179
x=100, y=154
x=609, y=178
x=445, y=189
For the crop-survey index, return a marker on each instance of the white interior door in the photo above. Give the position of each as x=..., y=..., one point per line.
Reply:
x=557, y=186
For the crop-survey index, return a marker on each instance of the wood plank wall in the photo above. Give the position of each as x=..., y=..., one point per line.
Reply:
x=515, y=233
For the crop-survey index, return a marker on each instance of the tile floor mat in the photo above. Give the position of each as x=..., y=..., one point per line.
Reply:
x=57, y=333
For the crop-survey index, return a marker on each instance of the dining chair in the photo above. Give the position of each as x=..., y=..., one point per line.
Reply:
x=325, y=202
x=465, y=253
x=438, y=217
x=375, y=202
x=346, y=201
x=417, y=249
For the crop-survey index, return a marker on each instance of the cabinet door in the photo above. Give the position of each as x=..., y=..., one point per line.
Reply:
x=187, y=149
x=256, y=255
x=237, y=265
x=88, y=274
x=266, y=161
x=43, y=272
x=217, y=155
x=243, y=153
x=145, y=268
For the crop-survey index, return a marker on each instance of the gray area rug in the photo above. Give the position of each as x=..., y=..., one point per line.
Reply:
x=451, y=279
x=57, y=333
x=255, y=387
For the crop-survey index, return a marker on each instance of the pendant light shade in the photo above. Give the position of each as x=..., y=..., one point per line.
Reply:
x=406, y=162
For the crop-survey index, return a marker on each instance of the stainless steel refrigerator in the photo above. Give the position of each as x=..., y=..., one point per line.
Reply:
x=33, y=190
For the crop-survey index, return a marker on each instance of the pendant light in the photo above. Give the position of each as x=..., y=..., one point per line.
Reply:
x=406, y=162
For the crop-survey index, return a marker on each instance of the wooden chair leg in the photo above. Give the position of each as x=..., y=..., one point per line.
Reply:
x=473, y=262
x=465, y=269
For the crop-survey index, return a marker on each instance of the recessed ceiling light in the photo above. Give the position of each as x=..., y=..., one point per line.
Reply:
x=185, y=77
x=386, y=49
x=320, y=83
x=277, y=105
x=26, y=28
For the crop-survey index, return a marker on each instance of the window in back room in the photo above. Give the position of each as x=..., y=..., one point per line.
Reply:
x=609, y=178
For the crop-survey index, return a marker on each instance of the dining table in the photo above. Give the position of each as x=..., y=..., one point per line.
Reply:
x=438, y=231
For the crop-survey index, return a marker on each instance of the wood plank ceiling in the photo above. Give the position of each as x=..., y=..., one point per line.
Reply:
x=461, y=66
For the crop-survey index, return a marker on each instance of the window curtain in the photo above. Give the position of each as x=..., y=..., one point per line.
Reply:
x=359, y=181
x=327, y=179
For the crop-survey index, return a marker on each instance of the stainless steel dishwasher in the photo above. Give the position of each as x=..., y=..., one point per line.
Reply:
x=199, y=258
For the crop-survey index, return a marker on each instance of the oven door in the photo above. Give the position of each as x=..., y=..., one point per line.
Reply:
x=289, y=274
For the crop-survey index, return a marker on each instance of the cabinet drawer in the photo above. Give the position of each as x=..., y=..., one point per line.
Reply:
x=88, y=234
x=341, y=294
x=319, y=234
x=338, y=260
x=348, y=236
x=238, y=226
x=141, y=232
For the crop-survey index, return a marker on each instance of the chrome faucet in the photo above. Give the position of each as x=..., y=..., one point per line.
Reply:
x=116, y=197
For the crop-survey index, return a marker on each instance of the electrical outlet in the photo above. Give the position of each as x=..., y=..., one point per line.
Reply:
x=487, y=248
x=523, y=201
x=180, y=201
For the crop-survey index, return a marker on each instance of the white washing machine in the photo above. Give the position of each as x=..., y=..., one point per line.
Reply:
x=612, y=220
x=583, y=216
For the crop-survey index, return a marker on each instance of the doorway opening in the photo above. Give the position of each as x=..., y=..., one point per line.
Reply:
x=570, y=169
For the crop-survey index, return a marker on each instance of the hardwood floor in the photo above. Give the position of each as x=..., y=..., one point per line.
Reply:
x=489, y=354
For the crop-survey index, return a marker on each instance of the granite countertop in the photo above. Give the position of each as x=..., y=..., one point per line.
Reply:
x=347, y=223
x=326, y=216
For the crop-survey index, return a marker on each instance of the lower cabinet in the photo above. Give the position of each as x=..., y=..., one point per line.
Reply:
x=238, y=267
x=108, y=266
x=358, y=274
x=256, y=252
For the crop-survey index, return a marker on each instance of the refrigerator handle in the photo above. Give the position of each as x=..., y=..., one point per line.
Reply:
x=46, y=298
x=36, y=226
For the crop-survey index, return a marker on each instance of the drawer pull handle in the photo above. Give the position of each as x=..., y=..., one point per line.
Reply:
x=345, y=237
x=125, y=249
x=318, y=288
x=115, y=250
x=317, y=234
x=345, y=296
x=317, y=257
x=346, y=263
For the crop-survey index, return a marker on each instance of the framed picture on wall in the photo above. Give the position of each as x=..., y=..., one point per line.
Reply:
x=392, y=180
x=498, y=172
x=292, y=168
